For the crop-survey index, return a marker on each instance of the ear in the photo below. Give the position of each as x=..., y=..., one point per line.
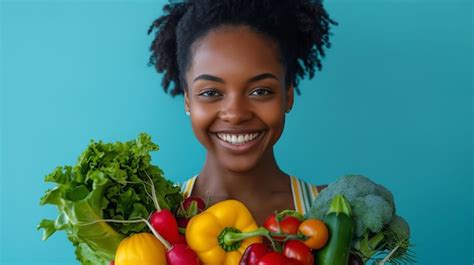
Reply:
x=289, y=98
x=186, y=101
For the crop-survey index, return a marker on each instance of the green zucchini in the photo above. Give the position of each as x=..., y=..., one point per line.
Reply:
x=341, y=230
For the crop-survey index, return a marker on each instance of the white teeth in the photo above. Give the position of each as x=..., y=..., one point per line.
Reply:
x=238, y=139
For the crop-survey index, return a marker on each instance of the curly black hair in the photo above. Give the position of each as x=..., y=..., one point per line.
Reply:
x=301, y=28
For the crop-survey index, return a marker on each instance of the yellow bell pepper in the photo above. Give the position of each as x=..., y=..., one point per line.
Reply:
x=140, y=249
x=220, y=234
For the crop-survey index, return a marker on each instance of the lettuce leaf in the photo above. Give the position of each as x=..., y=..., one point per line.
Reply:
x=109, y=181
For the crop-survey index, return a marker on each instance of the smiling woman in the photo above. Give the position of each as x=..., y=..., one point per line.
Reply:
x=237, y=63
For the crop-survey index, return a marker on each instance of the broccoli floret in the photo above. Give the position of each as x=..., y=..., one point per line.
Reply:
x=371, y=212
x=377, y=226
x=400, y=227
x=372, y=203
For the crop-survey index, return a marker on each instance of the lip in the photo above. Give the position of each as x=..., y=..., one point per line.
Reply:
x=239, y=149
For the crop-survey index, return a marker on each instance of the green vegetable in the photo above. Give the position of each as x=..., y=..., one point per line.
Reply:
x=377, y=227
x=109, y=181
x=341, y=230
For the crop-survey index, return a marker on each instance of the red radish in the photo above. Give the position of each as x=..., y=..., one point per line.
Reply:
x=181, y=239
x=182, y=254
x=165, y=227
x=182, y=221
x=199, y=203
x=162, y=220
x=164, y=223
x=189, y=208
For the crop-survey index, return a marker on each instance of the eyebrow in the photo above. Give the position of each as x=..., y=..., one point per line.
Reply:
x=220, y=80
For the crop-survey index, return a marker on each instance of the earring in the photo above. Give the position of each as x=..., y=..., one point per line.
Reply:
x=188, y=113
x=288, y=110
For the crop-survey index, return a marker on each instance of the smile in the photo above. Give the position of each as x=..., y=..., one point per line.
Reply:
x=238, y=139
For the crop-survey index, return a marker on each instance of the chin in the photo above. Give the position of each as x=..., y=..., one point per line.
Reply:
x=237, y=166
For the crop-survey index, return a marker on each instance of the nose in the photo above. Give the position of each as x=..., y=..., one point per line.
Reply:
x=236, y=110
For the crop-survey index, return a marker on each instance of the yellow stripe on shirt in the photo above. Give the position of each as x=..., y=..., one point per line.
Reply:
x=188, y=188
x=297, y=195
x=314, y=191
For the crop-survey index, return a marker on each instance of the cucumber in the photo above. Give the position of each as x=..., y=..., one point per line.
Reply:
x=341, y=230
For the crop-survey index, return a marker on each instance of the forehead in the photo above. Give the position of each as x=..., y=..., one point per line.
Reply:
x=236, y=50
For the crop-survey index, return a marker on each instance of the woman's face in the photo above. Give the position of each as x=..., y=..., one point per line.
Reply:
x=237, y=97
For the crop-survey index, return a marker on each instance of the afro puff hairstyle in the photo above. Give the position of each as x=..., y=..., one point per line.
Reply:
x=301, y=29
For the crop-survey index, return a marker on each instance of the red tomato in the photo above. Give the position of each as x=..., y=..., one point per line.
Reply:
x=290, y=261
x=275, y=258
x=253, y=254
x=287, y=225
x=298, y=250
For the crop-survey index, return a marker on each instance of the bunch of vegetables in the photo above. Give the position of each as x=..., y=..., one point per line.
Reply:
x=111, y=181
x=380, y=235
x=226, y=233
x=115, y=206
x=164, y=246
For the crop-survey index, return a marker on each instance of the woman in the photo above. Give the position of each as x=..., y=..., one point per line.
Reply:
x=238, y=63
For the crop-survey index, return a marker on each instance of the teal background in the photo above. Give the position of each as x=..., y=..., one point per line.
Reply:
x=394, y=102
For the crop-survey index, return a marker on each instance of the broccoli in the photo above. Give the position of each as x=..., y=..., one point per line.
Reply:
x=377, y=227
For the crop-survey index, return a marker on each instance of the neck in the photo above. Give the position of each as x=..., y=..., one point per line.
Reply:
x=263, y=179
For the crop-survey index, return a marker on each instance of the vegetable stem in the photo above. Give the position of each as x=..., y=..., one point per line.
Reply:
x=382, y=262
x=153, y=193
x=375, y=240
x=231, y=238
x=339, y=204
x=163, y=241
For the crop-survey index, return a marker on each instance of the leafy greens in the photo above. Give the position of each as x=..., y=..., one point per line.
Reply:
x=109, y=181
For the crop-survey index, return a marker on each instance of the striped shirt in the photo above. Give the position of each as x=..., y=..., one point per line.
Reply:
x=303, y=193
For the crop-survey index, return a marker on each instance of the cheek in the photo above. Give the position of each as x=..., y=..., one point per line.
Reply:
x=275, y=120
x=201, y=120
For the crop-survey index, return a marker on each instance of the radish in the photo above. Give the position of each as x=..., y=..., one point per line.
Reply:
x=188, y=202
x=163, y=221
x=182, y=254
x=189, y=208
x=178, y=254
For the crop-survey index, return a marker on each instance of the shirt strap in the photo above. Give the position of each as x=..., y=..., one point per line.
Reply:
x=187, y=186
x=303, y=194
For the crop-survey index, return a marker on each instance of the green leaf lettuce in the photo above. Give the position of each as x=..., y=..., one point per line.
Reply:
x=109, y=181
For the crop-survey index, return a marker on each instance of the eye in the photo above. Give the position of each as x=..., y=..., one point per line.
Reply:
x=261, y=92
x=209, y=93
